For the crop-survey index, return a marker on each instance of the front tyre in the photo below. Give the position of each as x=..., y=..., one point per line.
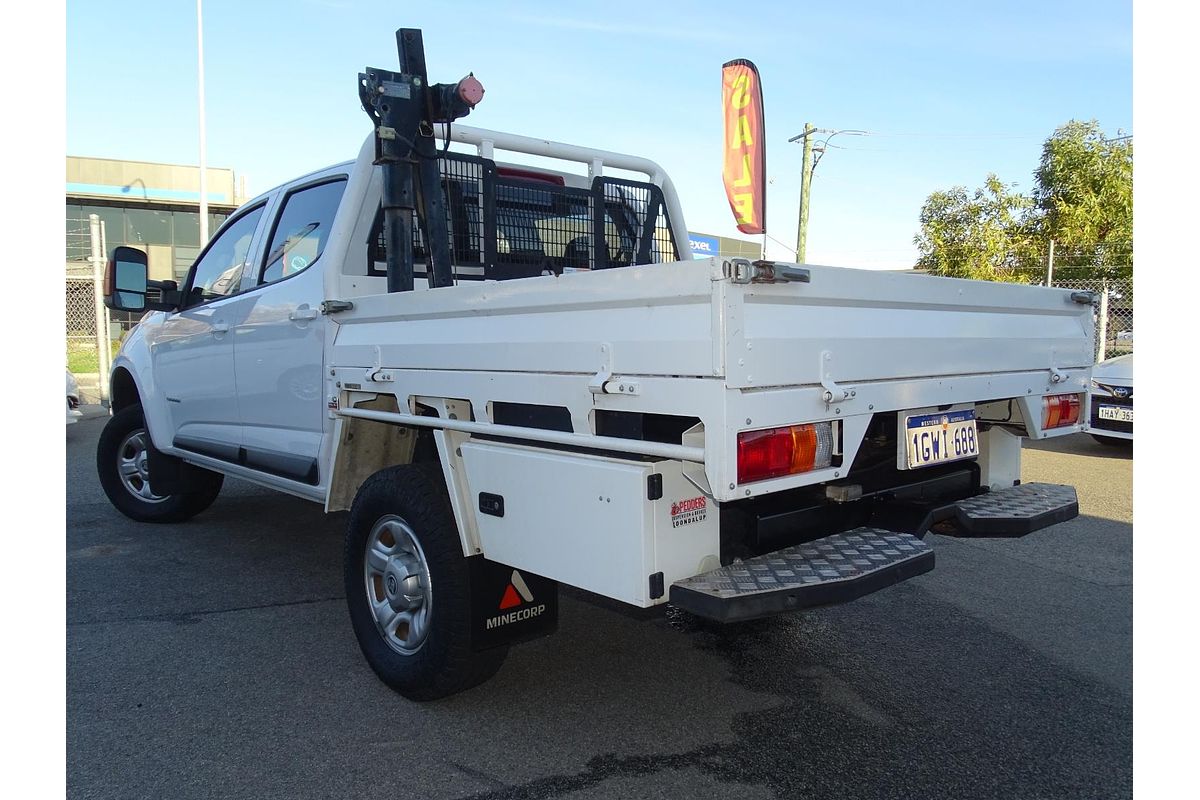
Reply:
x=408, y=586
x=122, y=464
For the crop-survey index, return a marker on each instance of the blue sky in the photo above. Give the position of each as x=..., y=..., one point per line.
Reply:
x=949, y=91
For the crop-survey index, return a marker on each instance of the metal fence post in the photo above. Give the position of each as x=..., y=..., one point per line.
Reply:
x=1102, y=323
x=103, y=350
x=107, y=329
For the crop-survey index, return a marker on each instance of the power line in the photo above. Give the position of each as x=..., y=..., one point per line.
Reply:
x=944, y=135
x=776, y=241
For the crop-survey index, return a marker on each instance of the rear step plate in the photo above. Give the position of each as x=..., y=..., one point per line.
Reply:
x=835, y=569
x=1016, y=511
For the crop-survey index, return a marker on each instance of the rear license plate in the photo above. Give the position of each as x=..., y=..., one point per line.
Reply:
x=937, y=438
x=1115, y=413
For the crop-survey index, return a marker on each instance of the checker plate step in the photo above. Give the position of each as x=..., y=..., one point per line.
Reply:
x=834, y=569
x=1016, y=511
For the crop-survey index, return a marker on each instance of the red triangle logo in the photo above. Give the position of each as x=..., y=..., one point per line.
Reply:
x=510, y=599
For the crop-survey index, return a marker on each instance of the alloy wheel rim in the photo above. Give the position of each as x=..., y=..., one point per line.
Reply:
x=133, y=467
x=398, y=586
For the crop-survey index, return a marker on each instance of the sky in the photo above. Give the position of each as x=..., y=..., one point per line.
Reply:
x=948, y=92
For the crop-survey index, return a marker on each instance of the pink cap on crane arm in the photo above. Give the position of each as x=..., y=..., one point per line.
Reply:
x=470, y=90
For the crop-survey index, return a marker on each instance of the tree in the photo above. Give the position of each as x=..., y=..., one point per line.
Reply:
x=1083, y=199
x=978, y=235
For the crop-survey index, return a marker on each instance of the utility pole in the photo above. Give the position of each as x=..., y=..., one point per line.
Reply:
x=103, y=348
x=1050, y=265
x=203, y=156
x=806, y=170
x=812, y=157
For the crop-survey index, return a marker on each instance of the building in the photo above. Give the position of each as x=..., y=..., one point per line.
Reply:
x=154, y=207
x=704, y=245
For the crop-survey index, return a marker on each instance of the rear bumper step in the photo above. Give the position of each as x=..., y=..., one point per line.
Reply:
x=833, y=569
x=846, y=566
x=1012, y=512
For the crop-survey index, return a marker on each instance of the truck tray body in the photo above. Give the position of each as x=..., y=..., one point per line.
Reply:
x=684, y=339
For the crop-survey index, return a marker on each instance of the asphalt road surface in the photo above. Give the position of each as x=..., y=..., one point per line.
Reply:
x=215, y=659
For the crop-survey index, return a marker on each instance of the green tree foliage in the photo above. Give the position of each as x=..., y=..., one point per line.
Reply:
x=966, y=235
x=1082, y=200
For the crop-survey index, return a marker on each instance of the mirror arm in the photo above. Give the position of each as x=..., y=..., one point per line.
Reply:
x=170, y=296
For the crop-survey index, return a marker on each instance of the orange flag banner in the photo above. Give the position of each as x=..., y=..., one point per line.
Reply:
x=745, y=151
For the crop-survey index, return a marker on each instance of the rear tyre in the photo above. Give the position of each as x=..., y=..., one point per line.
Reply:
x=121, y=463
x=408, y=586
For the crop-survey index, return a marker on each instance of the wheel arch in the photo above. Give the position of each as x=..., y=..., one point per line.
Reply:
x=123, y=390
x=131, y=382
x=364, y=447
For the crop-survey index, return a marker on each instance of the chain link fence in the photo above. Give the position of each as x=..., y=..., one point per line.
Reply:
x=1105, y=269
x=83, y=355
x=1113, y=312
x=88, y=341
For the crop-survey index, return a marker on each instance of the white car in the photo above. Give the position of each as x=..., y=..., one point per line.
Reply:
x=73, y=413
x=1112, y=401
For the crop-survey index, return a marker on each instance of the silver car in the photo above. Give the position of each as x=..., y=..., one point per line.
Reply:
x=1112, y=401
x=73, y=412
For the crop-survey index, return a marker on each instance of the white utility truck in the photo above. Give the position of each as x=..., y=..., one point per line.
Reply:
x=556, y=393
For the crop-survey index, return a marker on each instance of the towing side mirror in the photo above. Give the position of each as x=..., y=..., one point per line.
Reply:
x=125, y=282
x=127, y=288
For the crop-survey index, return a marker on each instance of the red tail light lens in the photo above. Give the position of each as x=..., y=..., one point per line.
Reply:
x=775, y=452
x=1060, y=410
x=530, y=175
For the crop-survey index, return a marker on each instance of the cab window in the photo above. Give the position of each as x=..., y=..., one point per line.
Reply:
x=218, y=273
x=302, y=229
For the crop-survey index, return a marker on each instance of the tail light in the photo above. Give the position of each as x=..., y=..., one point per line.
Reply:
x=775, y=452
x=1060, y=410
x=530, y=175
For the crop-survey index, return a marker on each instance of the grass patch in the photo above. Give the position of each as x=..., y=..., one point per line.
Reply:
x=85, y=358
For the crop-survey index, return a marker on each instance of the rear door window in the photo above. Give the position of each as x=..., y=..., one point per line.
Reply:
x=302, y=230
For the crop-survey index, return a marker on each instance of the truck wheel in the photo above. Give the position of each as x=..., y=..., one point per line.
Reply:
x=408, y=586
x=121, y=461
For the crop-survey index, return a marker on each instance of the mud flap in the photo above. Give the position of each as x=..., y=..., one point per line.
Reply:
x=509, y=605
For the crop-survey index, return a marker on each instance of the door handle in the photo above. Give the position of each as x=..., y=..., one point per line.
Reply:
x=303, y=314
x=220, y=328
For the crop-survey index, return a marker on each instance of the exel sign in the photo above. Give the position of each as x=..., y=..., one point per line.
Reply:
x=704, y=246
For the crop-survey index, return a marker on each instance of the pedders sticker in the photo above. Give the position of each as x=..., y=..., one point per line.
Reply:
x=685, y=512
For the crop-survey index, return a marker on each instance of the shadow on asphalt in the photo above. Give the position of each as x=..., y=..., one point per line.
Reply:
x=898, y=697
x=1082, y=444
